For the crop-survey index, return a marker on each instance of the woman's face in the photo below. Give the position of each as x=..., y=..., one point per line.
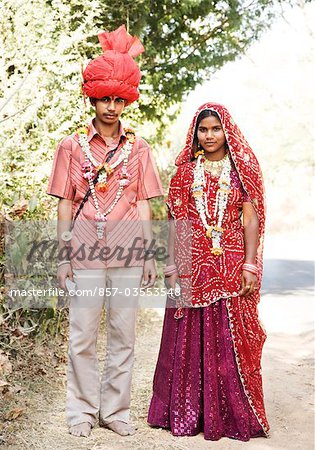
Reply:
x=211, y=137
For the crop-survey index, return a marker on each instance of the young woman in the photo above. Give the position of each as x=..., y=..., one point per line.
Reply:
x=208, y=374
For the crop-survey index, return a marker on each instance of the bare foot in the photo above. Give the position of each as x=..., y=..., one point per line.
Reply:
x=81, y=429
x=121, y=428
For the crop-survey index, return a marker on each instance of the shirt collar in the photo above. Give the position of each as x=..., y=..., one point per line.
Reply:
x=92, y=131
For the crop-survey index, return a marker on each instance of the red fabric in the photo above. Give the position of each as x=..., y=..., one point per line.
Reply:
x=114, y=73
x=244, y=159
x=196, y=384
x=196, y=259
x=121, y=41
x=205, y=278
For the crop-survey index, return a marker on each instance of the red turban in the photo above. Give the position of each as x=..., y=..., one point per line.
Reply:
x=114, y=73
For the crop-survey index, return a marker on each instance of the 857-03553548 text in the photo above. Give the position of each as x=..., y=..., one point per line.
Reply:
x=106, y=291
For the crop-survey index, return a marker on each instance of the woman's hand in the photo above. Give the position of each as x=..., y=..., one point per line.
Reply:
x=249, y=283
x=170, y=282
x=64, y=271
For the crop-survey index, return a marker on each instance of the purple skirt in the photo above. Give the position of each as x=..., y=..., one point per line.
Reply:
x=196, y=385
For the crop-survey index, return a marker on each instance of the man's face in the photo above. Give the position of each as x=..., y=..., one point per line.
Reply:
x=109, y=109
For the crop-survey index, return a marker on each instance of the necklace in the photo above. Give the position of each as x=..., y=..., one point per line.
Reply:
x=92, y=169
x=214, y=167
x=213, y=230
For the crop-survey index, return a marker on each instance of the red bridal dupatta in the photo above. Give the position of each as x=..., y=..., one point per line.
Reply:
x=247, y=332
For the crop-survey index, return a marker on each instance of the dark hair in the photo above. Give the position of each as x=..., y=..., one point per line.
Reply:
x=202, y=115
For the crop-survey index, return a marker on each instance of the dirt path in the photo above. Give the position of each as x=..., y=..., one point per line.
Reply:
x=287, y=378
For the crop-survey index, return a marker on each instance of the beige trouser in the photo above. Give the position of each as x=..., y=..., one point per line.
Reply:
x=87, y=398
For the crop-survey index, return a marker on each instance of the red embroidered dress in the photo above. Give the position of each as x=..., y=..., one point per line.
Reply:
x=208, y=375
x=212, y=277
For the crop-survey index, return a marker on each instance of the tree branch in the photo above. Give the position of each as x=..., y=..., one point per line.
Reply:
x=14, y=92
x=15, y=114
x=203, y=38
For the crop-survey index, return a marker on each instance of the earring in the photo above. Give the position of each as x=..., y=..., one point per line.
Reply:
x=200, y=150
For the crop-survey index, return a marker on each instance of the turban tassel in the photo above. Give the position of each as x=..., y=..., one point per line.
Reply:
x=121, y=41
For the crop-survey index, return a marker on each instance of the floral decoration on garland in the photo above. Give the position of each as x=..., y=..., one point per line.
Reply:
x=213, y=230
x=92, y=168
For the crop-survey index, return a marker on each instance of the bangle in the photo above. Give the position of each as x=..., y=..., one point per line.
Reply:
x=169, y=274
x=170, y=270
x=63, y=262
x=252, y=268
x=170, y=267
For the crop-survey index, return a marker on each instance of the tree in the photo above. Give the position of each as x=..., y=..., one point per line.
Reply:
x=185, y=41
x=45, y=42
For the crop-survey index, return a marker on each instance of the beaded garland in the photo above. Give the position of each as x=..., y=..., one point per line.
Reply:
x=215, y=230
x=91, y=168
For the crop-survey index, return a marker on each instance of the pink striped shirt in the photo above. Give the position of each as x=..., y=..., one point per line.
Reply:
x=123, y=223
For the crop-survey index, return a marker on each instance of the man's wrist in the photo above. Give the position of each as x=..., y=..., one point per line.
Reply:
x=149, y=254
x=61, y=263
x=66, y=236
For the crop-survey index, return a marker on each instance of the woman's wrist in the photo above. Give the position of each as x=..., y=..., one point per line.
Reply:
x=250, y=267
x=170, y=270
x=250, y=261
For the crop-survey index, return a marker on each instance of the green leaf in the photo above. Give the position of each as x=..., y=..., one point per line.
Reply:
x=32, y=204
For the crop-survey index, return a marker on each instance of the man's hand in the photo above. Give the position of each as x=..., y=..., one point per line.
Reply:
x=249, y=283
x=64, y=271
x=149, y=273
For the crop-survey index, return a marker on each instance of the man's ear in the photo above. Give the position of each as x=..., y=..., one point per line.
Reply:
x=93, y=101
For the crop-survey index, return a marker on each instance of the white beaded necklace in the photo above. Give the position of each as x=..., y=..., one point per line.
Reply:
x=105, y=170
x=215, y=230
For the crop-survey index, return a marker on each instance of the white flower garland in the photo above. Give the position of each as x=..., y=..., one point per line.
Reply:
x=106, y=170
x=214, y=231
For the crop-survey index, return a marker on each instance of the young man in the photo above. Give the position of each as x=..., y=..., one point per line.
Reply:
x=103, y=176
